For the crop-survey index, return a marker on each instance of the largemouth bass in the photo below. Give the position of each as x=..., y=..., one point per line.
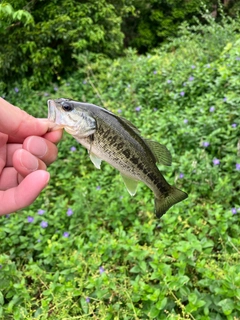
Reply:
x=117, y=141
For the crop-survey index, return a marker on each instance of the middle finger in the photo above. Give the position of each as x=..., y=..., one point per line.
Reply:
x=41, y=148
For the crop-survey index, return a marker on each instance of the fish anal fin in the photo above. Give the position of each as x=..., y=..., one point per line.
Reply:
x=130, y=184
x=164, y=203
x=161, y=153
x=95, y=160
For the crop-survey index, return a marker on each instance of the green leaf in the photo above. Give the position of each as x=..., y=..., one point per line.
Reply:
x=227, y=306
x=1, y=299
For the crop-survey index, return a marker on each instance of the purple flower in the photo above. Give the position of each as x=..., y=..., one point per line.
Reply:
x=154, y=71
x=234, y=210
x=73, y=149
x=238, y=58
x=185, y=120
x=119, y=111
x=224, y=99
x=208, y=66
x=69, y=212
x=30, y=219
x=216, y=161
x=193, y=67
x=182, y=93
x=41, y=212
x=191, y=78
x=87, y=299
x=169, y=81
x=205, y=144
x=16, y=89
x=98, y=187
x=46, y=94
x=55, y=88
x=138, y=108
x=212, y=109
x=238, y=166
x=38, y=240
x=101, y=270
x=234, y=125
x=181, y=175
x=44, y=224
x=84, y=81
x=66, y=234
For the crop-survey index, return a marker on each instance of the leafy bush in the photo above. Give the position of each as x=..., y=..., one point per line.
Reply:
x=154, y=21
x=41, y=39
x=86, y=249
x=45, y=48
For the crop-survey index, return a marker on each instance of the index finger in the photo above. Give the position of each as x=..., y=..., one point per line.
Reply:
x=18, y=124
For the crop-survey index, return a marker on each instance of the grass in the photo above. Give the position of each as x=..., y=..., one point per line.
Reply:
x=100, y=253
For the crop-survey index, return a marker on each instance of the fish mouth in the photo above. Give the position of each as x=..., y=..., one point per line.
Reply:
x=51, y=110
x=52, y=116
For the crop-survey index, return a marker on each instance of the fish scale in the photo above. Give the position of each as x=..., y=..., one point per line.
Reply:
x=115, y=140
x=140, y=170
x=126, y=157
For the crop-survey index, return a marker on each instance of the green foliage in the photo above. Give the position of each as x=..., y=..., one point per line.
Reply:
x=103, y=255
x=39, y=40
x=8, y=15
x=154, y=21
x=61, y=29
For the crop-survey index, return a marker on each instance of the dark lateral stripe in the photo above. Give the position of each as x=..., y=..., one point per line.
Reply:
x=100, y=130
x=162, y=189
x=120, y=145
x=106, y=133
x=126, y=152
x=134, y=160
x=113, y=139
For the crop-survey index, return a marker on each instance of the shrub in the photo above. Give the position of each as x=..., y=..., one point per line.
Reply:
x=44, y=49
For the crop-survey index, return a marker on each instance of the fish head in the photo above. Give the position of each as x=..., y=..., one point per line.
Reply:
x=67, y=114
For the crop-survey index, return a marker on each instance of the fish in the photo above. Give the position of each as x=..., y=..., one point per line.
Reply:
x=114, y=139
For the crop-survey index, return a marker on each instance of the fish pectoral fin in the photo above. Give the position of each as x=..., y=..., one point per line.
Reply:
x=130, y=184
x=95, y=160
x=161, y=153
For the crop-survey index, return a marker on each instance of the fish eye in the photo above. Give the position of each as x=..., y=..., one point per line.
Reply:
x=67, y=106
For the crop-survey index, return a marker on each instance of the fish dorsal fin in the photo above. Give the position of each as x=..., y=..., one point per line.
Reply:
x=129, y=123
x=122, y=119
x=130, y=184
x=161, y=153
x=95, y=160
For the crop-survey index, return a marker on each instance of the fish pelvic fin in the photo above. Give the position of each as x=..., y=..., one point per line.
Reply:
x=164, y=203
x=95, y=160
x=130, y=184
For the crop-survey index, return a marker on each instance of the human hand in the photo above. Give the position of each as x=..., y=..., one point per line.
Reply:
x=26, y=149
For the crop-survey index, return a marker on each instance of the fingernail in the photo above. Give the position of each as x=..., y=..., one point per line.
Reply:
x=46, y=176
x=28, y=161
x=37, y=146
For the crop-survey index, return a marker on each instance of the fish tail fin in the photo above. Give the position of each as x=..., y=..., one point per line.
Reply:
x=164, y=203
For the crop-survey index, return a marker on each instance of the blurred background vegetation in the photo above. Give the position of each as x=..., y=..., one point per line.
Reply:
x=40, y=41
